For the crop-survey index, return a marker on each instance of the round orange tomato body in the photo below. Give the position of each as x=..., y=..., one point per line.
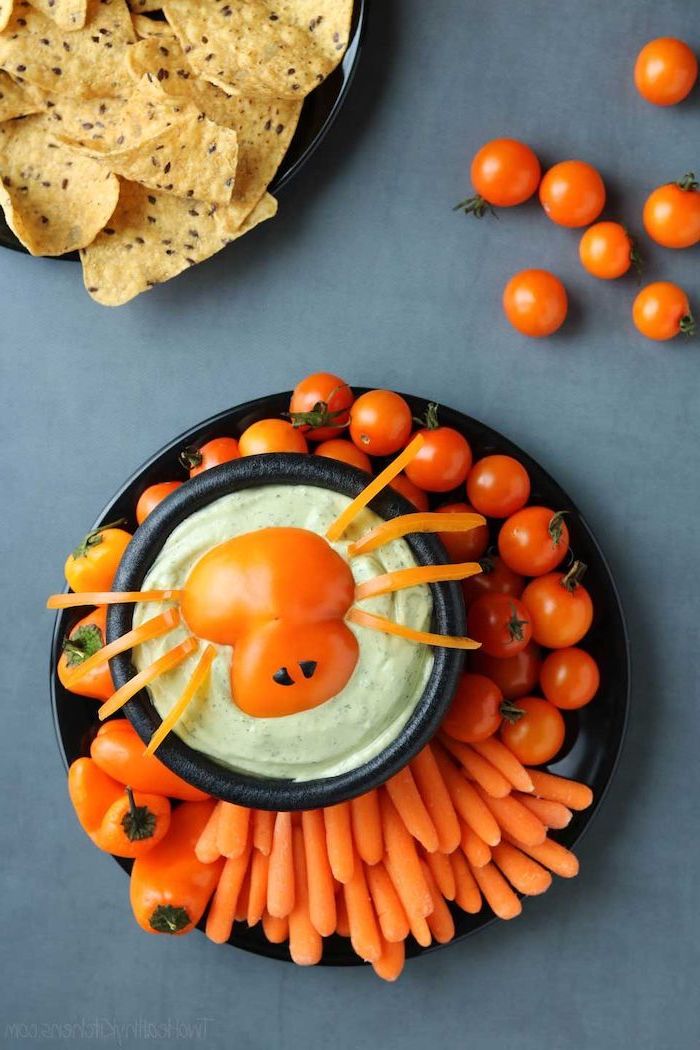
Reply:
x=606, y=250
x=505, y=172
x=497, y=486
x=152, y=496
x=533, y=541
x=410, y=491
x=475, y=711
x=500, y=623
x=346, y=452
x=665, y=71
x=320, y=405
x=672, y=213
x=211, y=454
x=380, y=422
x=495, y=577
x=569, y=678
x=464, y=546
x=515, y=675
x=537, y=735
x=661, y=311
x=93, y=564
x=82, y=642
x=443, y=462
x=271, y=435
x=572, y=193
x=535, y=303
x=561, y=612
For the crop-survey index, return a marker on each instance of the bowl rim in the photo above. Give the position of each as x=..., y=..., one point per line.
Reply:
x=273, y=793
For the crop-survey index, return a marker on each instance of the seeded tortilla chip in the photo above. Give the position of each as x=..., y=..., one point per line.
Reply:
x=154, y=236
x=18, y=100
x=54, y=200
x=67, y=14
x=328, y=21
x=5, y=13
x=96, y=120
x=84, y=63
x=145, y=5
x=145, y=28
x=245, y=46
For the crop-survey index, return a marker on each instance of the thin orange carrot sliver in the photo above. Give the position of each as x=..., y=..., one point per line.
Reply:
x=321, y=891
x=257, y=895
x=474, y=848
x=387, y=904
x=276, y=929
x=477, y=768
x=305, y=942
x=522, y=872
x=380, y=623
x=514, y=819
x=364, y=931
x=468, y=895
x=570, y=793
x=367, y=826
x=178, y=709
x=206, y=848
x=384, y=478
x=402, y=861
x=339, y=840
x=409, y=805
x=152, y=628
x=503, y=759
x=72, y=601
x=263, y=826
x=440, y=922
x=391, y=961
x=424, y=521
x=436, y=798
x=552, y=855
x=467, y=802
x=222, y=911
x=232, y=830
x=552, y=814
x=280, y=879
x=499, y=895
x=160, y=666
x=414, y=577
x=441, y=870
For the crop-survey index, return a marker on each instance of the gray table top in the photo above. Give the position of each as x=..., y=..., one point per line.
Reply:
x=367, y=272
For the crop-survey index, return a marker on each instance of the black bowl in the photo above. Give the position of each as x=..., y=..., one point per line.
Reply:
x=274, y=793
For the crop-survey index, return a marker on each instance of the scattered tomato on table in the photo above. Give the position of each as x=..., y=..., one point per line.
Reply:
x=535, y=302
x=607, y=251
x=665, y=71
x=671, y=213
x=661, y=311
x=504, y=173
x=572, y=193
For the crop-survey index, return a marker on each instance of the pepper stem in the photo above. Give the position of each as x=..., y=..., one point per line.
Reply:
x=139, y=823
x=190, y=457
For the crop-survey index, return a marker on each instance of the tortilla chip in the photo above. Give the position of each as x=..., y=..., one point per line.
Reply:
x=18, y=100
x=5, y=13
x=67, y=14
x=327, y=20
x=85, y=63
x=91, y=120
x=244, y=46
x=54, y=200
x=154, y=236
x=145, y=28
x=145, y=5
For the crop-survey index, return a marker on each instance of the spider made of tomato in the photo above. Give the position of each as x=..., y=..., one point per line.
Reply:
x=279, y=597
x=533, y=541
x=500, y=623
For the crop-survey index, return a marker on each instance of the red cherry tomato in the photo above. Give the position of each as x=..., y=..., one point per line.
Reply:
x=445, y=458
x=560, y=608
x=533, y=541
x=672, y=213
x=535, y=303
x=504, y=172
x=537, y=735
x=475, y=712
x=152, y=496
x=661, y=311
x=572, y=193
x=464, y=546
x=515, y=675
x=380, y=422
x=271, y=435
x=346, y=452
x=497, y=486
x=569, y=678
x=320, y=406
x=500, y=623
x=412, y=493
x=211, y=454
x=495, y=577
x=665, y=71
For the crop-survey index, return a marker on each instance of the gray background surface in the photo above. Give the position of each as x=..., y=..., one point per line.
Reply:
x=366, y=271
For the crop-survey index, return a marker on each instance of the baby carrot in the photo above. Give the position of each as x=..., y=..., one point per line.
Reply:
x=404, y=865
x=364, y=932
x=552, y=855
x=339, y=840
x=468, y=896
x=552, y=814
x=280, y=877
x=474, y=848
x=257, y=897
x=391, y=962
x=387, y=905
x=263, y=826
x=436, y=798
x=225, y=901
x=342, y=923
x=305, y=942
x=515, y=819
x=523, y=873
x=417, y=923
x=403, y=793
x=502, y=759
x=206, y=849
x=243, y=896
x=276, y=930
x=467, y=802
x=477, y=768
x=367, y=827
x=441, y=870
x=232, y=829
x=440, y=921
x=558, y=789
x=319, y=876
x=499, y=896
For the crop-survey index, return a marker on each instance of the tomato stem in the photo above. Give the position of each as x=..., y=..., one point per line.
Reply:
x=510, y=712
x=430, y=421
x=574, y=576
x=93, y=538
x=515, y=626
x=321, y=415
x=688, y=182
x=556, y=527
x=190, y=457
x=476, y=206
x=687, y=325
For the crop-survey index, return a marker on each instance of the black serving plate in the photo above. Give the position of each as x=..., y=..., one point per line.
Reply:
x=318, y=113
x=594, y=733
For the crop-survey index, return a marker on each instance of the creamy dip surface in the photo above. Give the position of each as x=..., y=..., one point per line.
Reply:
x=338, y=735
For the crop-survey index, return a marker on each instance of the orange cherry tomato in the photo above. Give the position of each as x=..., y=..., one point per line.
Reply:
x=151, y=497
x=504, y=172
x=211, y=454
x=475, y=711
x=346, y=452
x=661, y=311
x=515, y=675
x=607, y=251
x=82, y=642
x=569, y=678
x=500, y=623
x=495, y=577
x=538, y=734
x=572, y=193
x=463, y=546
x=535, y=302
x=665, y=71
x=271, y=435
x=445, y=458
x=533, y=541
x=672, y=213
x=560, y=608
x=497, y=486
x=93, y=564
x=320, y=406
x=412, y=493
x=380, y=422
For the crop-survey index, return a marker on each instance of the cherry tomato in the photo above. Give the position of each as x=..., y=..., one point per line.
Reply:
x=560, y=608
x=497, y=486
x=504, y=172
x=533, y=541
x=380, y=422
x=515, y=675
x=500, y=623
x=320, y=406
x=475, y=712
x=212, y=454
x=464, y=546
x=569, y=678
x=607, y=251
x=535, y=302
x=94, y=562
x=346, y=452
x=271, y=435
x=412, y=493
x=82, y=642
x=495, y=577
x=445, y=458
x=665, y=71
x=661, y=311
x=538, y=735
x=672, y=213
x=572, y=193
x=152, y=496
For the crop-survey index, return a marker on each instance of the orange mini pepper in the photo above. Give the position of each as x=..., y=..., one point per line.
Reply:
x=86, y=639
x=120, y=752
